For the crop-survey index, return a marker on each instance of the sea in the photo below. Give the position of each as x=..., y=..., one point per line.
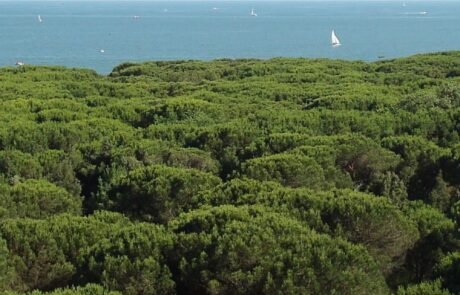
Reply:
x=102, y=34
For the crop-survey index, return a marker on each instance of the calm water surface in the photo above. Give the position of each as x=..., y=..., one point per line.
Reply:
x=73, y=33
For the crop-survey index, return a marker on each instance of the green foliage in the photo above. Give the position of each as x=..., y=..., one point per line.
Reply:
x=420, y=164
x=449, y=270
x=287, y=175
x=131, y=260
x=6, y=271
x=436, y=232
x=62, y=250
x=373, y=222
x=289, y=170
x=189, y=158
x=36, y=199
x=229, y=250
x=58, y=168
x=46, y=254
x=440, y=195
x=455, y=213
x=357, y=217
x=425, y=288
x=19, y=164
x=156, y=193
x=90, y=289
x=392, y=187
x=428, y=219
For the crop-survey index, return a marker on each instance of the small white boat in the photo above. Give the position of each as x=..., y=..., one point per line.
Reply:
x=136, y=17
x=334, y=40
x=39, y=18
x=19, y=63
x=423, y=12
x=253, y=12
x=102, y=51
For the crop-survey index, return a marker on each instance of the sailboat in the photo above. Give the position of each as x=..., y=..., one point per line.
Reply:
x=39, y=18
x=253, y=13
x=334, y=40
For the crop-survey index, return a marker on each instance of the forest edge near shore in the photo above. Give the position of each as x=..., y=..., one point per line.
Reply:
x=280, y=176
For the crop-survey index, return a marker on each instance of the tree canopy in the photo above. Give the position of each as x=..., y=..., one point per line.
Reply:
x=279, y=176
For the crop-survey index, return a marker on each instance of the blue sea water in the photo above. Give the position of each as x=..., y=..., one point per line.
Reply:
x=73, y=33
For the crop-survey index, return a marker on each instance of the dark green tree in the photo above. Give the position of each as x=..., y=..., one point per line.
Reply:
x=440, y=195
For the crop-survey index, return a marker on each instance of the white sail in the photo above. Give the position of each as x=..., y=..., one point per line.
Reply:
x=334, y=40
x=39, y=18
x=253, y=13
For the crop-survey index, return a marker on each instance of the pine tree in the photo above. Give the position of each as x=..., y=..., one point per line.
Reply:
x=440, y=195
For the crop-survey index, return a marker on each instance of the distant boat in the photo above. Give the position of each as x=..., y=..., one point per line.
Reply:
x=334, y=40
x=253, y=13
x=215, y=8
x=416, y=13
x=136, y=17
x=39, y=18
x=102, y=51
x=19, y=63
